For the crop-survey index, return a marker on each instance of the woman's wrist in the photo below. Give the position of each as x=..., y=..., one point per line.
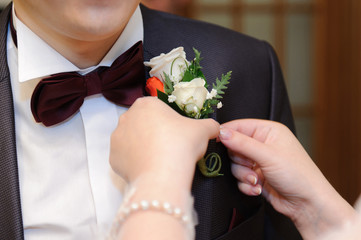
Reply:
x=164, y=186
x=168, y=174
x=158, y=200
x=326, y=210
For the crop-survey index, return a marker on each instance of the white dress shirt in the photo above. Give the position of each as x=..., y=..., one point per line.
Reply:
x=68, y=190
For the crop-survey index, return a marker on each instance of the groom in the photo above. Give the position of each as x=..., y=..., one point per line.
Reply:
x=55, y=179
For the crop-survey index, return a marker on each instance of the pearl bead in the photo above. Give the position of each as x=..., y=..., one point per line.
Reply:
x=144, y=204
x=134, y=206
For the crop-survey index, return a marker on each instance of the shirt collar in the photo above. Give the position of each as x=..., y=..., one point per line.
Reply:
x=37, y=59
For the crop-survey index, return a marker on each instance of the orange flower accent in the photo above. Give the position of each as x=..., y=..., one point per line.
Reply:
x=153, y=84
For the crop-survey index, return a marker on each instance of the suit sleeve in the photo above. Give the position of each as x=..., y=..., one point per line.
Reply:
x=280, y=109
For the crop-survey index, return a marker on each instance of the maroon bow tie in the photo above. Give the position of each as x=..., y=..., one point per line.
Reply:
x=59, y=96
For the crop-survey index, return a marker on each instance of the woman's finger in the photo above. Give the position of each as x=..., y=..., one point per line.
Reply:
x=244, y=174
x=241, y=160
x=241, y=144
x=250, y=190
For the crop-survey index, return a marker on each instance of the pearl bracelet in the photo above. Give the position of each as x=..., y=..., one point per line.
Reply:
x=155, y=205
x=187, y=217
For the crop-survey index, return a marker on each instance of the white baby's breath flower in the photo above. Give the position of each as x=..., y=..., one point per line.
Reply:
x=172, y=98
x=219, y=105
x=212, y=94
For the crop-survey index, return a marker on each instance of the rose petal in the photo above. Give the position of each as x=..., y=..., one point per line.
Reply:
x=153, y=84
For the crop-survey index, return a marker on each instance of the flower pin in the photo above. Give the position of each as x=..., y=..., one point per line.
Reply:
x=182, y=85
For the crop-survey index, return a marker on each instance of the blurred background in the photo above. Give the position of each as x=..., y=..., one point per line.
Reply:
x=318, y=44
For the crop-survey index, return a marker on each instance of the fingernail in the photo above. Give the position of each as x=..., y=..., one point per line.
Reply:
x=252, y=179
x=225, y=133
x=257, y=190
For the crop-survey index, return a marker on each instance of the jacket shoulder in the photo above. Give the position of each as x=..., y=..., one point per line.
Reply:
x=169, y=28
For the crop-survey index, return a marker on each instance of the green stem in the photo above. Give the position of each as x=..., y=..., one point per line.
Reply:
x=210, y=165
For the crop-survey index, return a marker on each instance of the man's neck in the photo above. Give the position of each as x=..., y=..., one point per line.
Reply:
x=82, y=54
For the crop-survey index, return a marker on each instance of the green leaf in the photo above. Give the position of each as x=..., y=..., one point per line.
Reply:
x=221, y=84
x=188, y=76
x=205, y=112
x=168, y=84
x=197, y=66
x=194, y=70
x=207, y=107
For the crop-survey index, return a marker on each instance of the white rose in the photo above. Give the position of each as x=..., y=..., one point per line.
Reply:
x=173, y=63
x=191, y=96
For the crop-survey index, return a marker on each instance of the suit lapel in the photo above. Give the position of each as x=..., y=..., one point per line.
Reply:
x=151, y=44
x=11, y=226
x=156, y=39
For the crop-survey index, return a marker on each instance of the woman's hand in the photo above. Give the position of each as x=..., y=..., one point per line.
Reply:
x=268, y=158
x=151, y=138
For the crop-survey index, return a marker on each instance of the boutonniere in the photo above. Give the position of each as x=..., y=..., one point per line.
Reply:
x=182, y=85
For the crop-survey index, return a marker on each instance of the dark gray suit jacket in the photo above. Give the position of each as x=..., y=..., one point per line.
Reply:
x=256, y=91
